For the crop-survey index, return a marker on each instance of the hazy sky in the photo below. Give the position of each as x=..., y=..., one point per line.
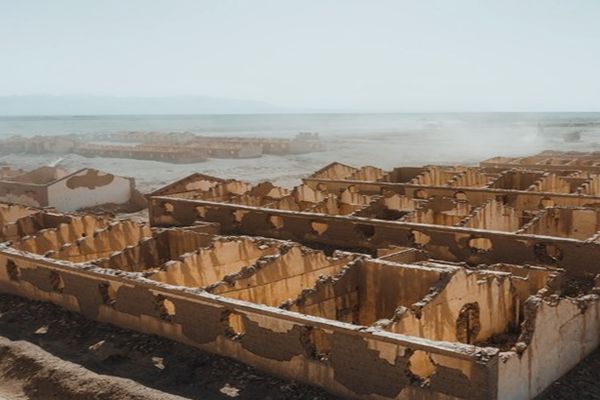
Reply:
x=420, y=55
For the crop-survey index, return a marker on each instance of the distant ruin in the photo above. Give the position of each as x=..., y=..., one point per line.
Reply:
x=430, y=282
x=178, y=148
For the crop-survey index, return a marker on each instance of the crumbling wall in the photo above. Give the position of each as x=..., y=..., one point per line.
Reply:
x=367, y=173
x=114, y=237
x=443, y=242
x=440, y=211
x=343, y=359
x=209, y=265
x=27, y=194
x=308, y=194
x=154, y=251
x=191, y=183
x=495, y=216
x=399, y=175
x=390, y=207
x=403, y=255
x=335, y=297
x=367, y=291
x=31, y=224
x=434, y=176
x=577, y=223
x=516, y=180
x=384, y=287
x=333, y=205
x=551, y=182
x=41, y=175
x=53, y=239
x=557, y=335
x=274, y=281
x=471, y=177
x=520, y=199
x=10, y=213
x=529, y=279
x=438, y=316
x=335, y=170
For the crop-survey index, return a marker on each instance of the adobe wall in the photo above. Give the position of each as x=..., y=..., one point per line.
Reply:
x=10, y=213
x=274, y=282
x=153, y=251
x=437, y=315
x=442, y=242
x=203, y=320
x=495, y=216
x=578, y=223
x=211, y=264
x=102, y=243
x=53, y=239
x=520, y=199
x=28, y=194
x=31, y=224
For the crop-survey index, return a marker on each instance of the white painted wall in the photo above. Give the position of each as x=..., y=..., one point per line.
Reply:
x=563, y=336
x=65, y=199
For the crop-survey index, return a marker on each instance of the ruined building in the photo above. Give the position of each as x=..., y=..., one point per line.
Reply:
x=436, y=282
x=178, y=148
x=54, y=187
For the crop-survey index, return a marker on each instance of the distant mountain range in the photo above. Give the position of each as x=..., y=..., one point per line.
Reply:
x=112, y=105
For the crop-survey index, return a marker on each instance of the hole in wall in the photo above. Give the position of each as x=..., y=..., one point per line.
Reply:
x=480, y=245
x=201, y=212
x=276, y=221
x=365, y=231
x=234, y=325
x=12, y=270
x=546, y=202
x=108, y=294
x=167, y=208
x=420, y=194
x=316, y=344
x=547, y=253
x=238, y=215
x=420, y=365
x=57, y=282
x=319, y=227
x=165, y=308
x=502, y=198
x=468, y=324
x=419, y=238
x=460, y=195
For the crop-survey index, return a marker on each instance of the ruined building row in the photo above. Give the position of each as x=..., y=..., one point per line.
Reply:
x=164, y=147
x=430, y=283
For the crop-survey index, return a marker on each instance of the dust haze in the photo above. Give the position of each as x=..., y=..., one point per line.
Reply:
x=385, y=141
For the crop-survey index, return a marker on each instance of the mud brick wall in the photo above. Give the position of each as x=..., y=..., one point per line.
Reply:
x=356, y=363
x=442, y=242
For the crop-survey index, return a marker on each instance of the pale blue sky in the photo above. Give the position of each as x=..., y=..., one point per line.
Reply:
x=420, y=55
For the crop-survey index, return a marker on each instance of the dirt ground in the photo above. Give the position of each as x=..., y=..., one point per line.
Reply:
x=49, y=353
